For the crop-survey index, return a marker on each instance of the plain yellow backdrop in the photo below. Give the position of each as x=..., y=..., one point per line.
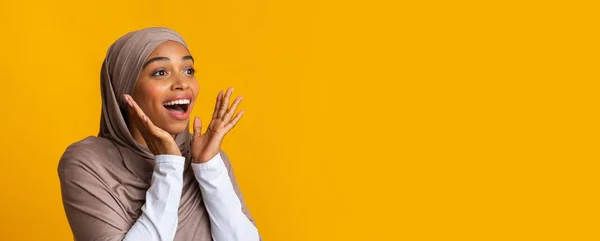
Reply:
x=365, y=120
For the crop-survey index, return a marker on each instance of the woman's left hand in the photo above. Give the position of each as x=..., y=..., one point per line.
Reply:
x=206, y=146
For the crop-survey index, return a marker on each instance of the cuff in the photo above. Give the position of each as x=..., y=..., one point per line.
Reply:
x=214, y=163
x=175, y=159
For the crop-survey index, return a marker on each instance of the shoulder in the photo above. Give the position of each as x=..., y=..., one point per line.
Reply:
x=87, y=154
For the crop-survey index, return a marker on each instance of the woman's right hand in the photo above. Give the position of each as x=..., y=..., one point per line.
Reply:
x=157, y=140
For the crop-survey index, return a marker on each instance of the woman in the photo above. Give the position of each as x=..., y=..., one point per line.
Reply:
x=145, y=177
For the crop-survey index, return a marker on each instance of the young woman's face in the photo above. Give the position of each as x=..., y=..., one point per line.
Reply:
x=166, y=88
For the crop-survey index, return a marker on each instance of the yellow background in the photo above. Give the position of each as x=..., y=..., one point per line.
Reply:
x=365, y=120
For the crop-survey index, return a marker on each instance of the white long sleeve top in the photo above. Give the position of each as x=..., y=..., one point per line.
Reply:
x=159, y=214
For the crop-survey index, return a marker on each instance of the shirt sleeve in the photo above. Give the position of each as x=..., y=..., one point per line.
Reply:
x=228, y=221
x=159, y=214
x=94, y=214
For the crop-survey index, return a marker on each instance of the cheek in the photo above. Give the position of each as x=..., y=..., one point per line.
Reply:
x=149, y=94
x=195, y=88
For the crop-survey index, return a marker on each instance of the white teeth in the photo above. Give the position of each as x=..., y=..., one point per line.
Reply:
x=178, y=102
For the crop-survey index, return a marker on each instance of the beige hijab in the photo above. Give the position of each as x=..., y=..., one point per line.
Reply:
x=104, y=179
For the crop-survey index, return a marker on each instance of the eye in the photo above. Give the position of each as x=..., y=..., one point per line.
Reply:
x=160, y=73
x=190, y=71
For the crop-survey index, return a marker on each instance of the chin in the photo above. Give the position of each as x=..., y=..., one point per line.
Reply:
x=175, y=128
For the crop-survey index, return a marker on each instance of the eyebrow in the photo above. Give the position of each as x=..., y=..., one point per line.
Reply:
x=187, y=57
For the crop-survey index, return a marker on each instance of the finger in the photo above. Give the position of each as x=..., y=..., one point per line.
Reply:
x=217, y=104
x=197, y=127
x=153, y=129
x=231, y=110
x=225, y=103
x=135, y=109
x=235, y=120
x=142, y=119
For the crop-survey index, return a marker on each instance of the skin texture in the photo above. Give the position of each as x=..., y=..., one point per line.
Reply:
x=149, y=121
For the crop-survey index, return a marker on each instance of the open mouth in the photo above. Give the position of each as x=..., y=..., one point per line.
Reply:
x=179, y=106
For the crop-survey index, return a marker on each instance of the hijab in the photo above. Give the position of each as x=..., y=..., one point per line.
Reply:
x=104, y=179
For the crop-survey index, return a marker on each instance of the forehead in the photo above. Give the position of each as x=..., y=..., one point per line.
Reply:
x=169, y=48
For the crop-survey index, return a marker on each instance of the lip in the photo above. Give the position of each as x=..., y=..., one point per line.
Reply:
x=176, y=115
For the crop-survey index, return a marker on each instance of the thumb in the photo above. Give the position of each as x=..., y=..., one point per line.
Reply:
x=197, y=127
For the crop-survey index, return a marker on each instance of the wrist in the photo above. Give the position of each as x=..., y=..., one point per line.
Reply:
x=174, y=150
x=205, y=157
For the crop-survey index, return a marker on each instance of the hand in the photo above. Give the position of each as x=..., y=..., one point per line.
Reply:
x=206, y=146
x=158, y=140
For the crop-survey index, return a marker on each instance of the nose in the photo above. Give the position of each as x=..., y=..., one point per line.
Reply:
x=179, y=84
